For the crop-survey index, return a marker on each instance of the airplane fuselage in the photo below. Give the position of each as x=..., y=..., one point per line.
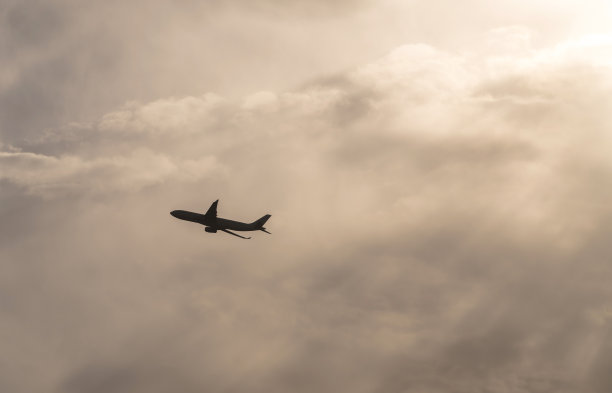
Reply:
x=213, y=222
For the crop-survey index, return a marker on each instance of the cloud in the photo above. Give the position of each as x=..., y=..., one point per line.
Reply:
x=170, y=115
x=66, y=62
x=52, y=176
x=440, y=224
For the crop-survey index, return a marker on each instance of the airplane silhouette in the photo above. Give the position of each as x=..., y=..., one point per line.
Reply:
x=214, y=223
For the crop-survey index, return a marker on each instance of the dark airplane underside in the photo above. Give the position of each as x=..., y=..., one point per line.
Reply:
x=213, y=223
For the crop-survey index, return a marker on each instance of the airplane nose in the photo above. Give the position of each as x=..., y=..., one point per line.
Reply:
x=173, y=213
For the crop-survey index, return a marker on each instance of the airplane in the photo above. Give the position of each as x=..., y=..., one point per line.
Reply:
x=213, y=223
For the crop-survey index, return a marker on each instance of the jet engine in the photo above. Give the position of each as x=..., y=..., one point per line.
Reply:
x=211, y=230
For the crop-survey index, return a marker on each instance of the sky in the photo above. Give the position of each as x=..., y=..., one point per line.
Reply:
x=438, y=176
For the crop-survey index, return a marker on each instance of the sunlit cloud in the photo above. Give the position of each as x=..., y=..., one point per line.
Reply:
x=440, y=223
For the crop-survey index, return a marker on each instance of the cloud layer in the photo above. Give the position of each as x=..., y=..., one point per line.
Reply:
x=440, y=224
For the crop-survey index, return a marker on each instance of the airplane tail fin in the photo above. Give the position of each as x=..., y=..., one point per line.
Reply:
x=260, y=223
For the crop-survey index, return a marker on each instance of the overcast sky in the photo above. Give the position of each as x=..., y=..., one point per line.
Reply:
x=438, y=174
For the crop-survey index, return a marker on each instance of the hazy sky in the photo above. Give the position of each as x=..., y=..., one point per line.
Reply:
x=439, y=178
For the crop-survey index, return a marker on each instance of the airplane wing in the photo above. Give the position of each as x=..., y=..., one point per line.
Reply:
x=232, y=233
x=212, y=210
